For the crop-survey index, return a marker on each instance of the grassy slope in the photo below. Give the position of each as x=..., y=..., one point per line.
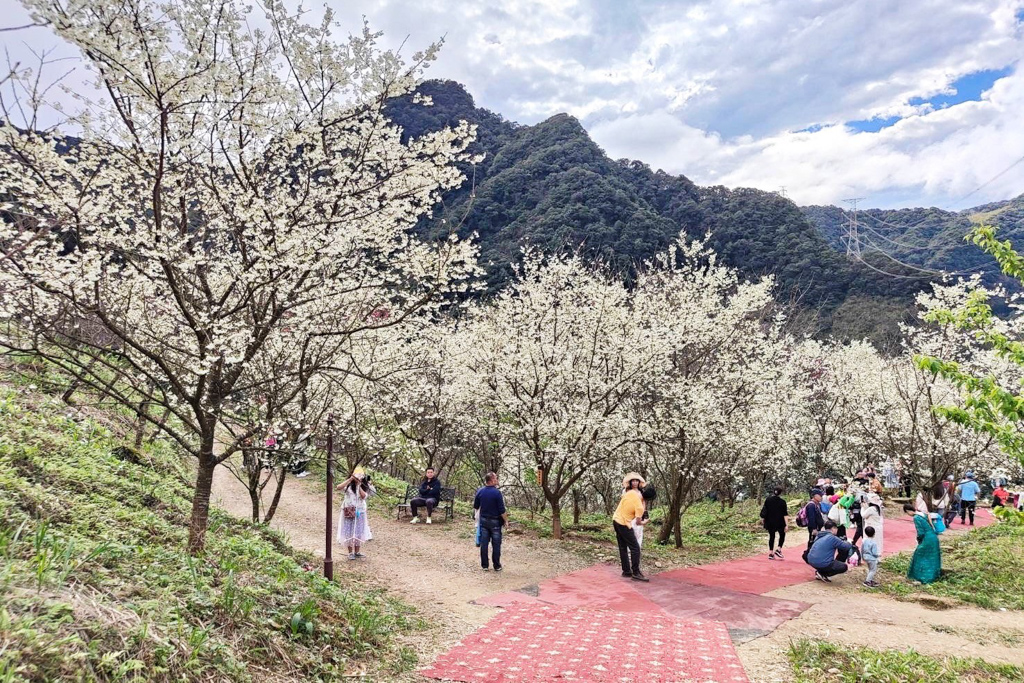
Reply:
x=984, y=567
x=818, y=662
x=96, y=586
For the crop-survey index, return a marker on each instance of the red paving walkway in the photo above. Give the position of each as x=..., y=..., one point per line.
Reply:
x=546, y=643
x=759, y=575
x=698, y=612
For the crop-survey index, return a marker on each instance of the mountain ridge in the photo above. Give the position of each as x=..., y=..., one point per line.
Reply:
x=550, y=185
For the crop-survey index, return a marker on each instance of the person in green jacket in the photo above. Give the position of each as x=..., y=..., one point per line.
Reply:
x=926, y=564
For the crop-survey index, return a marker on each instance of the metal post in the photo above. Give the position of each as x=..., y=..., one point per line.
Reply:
x=328, y=560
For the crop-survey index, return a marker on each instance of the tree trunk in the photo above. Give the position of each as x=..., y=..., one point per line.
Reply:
x=66, y=396
x=201, y=501
x=671, y=523
x=140, y=425
x=277, y=496
x=556, y=516
x=254, y=495
x=575, y=507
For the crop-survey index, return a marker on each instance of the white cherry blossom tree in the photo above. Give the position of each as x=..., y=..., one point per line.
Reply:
x=230, y=193
x=559, y=352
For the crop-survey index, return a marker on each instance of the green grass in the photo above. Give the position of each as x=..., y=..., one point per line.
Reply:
x=96, y=585
x=820, y=662
x=984, y=567
x=709, y=534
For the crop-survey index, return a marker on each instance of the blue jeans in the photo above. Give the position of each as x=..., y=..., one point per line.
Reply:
x=490, y=532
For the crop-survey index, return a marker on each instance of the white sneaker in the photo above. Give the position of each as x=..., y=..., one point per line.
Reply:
x=415, y=520
x=428, y=520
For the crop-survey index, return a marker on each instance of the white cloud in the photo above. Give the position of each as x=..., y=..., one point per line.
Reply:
x=715, y=89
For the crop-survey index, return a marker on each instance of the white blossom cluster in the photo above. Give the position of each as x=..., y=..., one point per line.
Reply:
x=229, y=214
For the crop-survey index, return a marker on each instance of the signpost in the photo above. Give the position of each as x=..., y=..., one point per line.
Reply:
x=328, y=560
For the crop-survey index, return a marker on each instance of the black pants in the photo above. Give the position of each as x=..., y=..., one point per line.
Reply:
x=838, y=565
x=629, y=549
x=810, y=537
x=430, y=504
x=490, y=532
x=771, y=538
x=965, y=507
x=859, y=534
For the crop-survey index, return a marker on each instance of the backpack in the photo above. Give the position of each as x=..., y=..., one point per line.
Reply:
x=801, y=517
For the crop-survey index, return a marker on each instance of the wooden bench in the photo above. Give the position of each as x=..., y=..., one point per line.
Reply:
x=447, y=502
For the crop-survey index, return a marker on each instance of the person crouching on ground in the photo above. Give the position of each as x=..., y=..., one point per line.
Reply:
x=429, y=496
x=829, y=553
x=493, y=516
x=631, y=507
x=774, y=512
x=871, y=553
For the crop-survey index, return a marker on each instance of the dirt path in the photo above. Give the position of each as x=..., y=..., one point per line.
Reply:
x=435, y=568
x=844, y=612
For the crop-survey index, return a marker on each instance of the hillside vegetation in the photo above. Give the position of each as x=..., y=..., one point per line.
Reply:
x=928, y=238
x=97, y=586
x=550, y=186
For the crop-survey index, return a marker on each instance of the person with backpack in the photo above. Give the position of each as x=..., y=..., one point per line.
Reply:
x=774, y=513
x=810, y=517
x=856, y=514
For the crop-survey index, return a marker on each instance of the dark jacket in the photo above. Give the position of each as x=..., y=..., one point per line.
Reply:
x=815, y=520
x=431, y=489
x=489, y=502
x=774, y=512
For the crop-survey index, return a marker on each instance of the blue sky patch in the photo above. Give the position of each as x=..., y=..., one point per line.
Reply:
x=968, y=88
x=873, y=125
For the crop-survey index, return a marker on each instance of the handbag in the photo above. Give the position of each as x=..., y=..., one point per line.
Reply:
x=349, y=511
x=940, y=525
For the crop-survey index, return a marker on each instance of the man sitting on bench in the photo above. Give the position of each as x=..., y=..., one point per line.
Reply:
x=430, y=496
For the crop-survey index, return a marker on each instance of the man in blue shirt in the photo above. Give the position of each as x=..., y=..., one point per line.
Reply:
x=969, y=491
x=829, y=553
x=493, y=516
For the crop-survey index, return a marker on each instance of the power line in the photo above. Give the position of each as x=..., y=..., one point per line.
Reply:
x=852, y=239
x=991, y=180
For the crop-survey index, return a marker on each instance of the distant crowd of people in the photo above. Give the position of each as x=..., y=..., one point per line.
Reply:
x=835, y=510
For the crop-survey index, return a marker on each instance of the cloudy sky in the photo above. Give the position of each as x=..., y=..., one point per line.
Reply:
x=915, y=102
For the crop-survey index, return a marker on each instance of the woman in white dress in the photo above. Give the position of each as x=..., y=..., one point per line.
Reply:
x=352, y=528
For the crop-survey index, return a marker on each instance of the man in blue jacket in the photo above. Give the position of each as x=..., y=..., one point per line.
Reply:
x=969, y=491
x=829, y=553
x=493, y=516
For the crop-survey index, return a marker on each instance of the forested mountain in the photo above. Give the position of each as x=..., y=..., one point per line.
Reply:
x=551, y=186
x=927, y=238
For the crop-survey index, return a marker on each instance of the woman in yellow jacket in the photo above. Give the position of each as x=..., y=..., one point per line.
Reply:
x=631, y=508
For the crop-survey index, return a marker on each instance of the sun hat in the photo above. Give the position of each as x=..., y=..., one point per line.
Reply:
x=630, y=476
x=970, y=475
x=359, y=473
